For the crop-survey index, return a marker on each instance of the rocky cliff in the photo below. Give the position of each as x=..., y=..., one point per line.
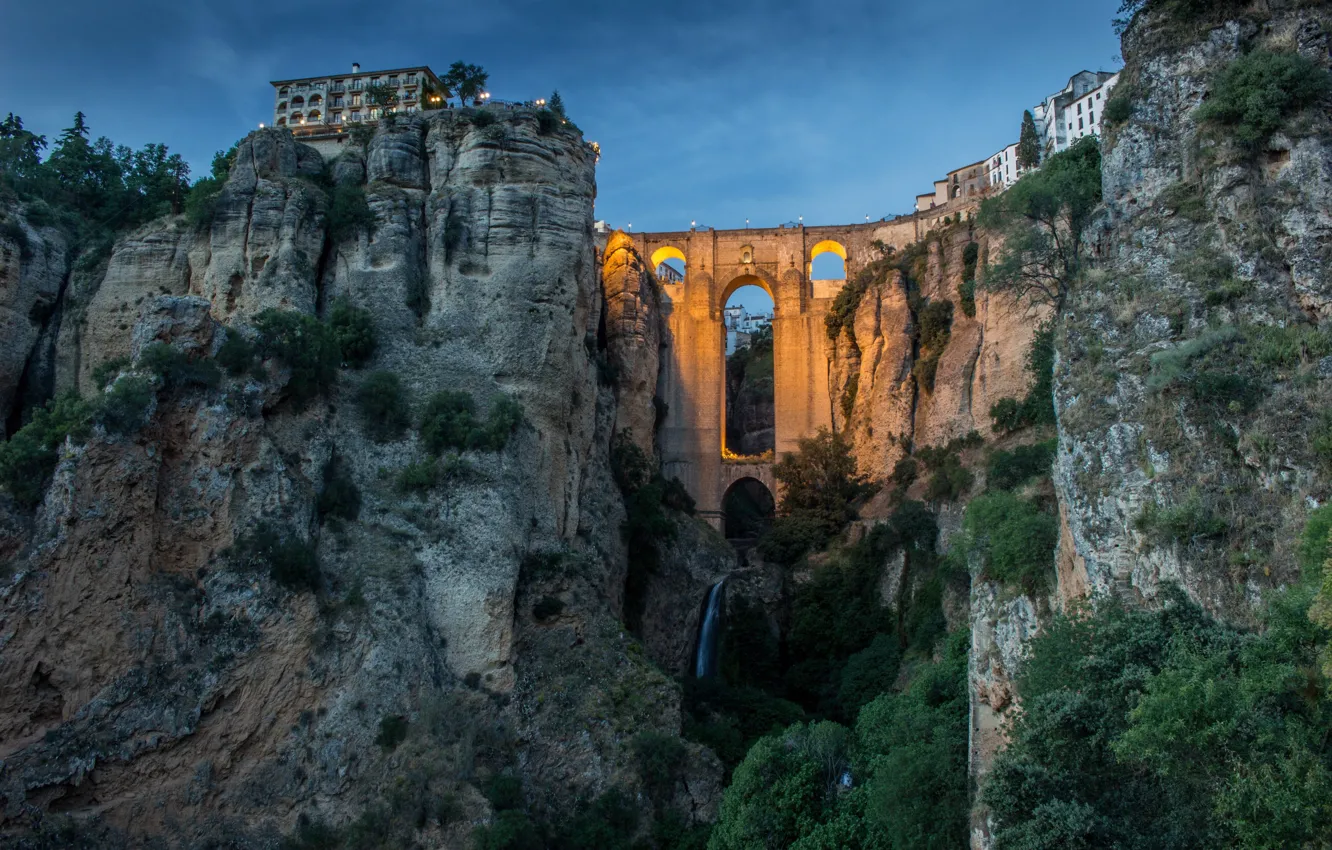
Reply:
x=1189, y=385
x=154, y=679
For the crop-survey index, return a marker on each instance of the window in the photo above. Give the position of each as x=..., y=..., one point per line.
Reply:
x=337, y=100
x=337, y=118
x=1098, y=95
x=1091, y=118
x=356, y=116
x=1079, y=107
x=356, y=100
x=1079, y=123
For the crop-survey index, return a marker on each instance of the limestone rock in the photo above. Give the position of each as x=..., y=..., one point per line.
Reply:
x=34, y=264
x=633, y=337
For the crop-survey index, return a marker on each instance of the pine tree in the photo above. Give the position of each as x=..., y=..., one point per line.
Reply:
x=556, y=104
x=1029, y=144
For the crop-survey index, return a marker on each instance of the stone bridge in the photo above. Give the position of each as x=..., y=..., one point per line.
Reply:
x=693, y=368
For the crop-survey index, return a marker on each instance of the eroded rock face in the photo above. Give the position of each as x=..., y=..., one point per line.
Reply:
x=155, y=674
x=874, y=360
x=34, y=264
x=267, y=235
x=633, y=337
x=1186, y=215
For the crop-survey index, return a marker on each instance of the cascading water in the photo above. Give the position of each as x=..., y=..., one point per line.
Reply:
x=705, y=661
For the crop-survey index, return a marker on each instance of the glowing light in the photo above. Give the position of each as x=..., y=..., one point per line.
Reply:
x=828, y=246
x=541, y=102
x=261, y=125
x=661, y=255
x=693, y=224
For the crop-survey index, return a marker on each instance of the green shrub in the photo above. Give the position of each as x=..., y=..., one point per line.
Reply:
x=505, y=792
x=201, y=202
x=905, y=472
x=236, y=354
x=289, y=560
x=449, y=423
x=1290, y=346
x=1009, y=414
x=349, y=213
x=936, y=322
x=340, y=498
x=482, y=118
x=1014, y=539
x=1010, y=470
x=418, y=476
x=1118, y=108
x=382, y=404
x=547, y=122
x=1314, y=545
x=790, y=538
x=1185, y=522
x=950, y=481
x=354, y=331
x=177, y=369
x=392, y=731
x=868, y=673
x=306, y=346
x=121, y=409
x=1186, y=200
x=30, y=455
x=108, y=370
x=849, y=393
x=820, y=486
x=1259, y=92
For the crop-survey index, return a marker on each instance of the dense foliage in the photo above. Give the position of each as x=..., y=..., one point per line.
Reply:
x=1042, y=220
x=29, y=456
x=1165, y=729
x=1012, y=538
x=92, y=189
x=306, y=346
x=1037, y=408
x=1258, y=93
x=820, y=487
x=898, y=780
x=449, y=423
x=382, y=402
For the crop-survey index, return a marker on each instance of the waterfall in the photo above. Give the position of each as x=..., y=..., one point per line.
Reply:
x=705, y=662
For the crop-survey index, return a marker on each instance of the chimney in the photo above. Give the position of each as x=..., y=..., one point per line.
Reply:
x=356, y=67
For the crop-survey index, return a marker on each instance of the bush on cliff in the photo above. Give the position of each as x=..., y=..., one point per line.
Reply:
x=1037, y=408
x=1009, y=470
x=1161, y=728
x=29, y=456
x=306, y=346
x=289, y=560
x=383, y=405
x=355, y=332
x=177, y=369
x=121, y=409
x=349, y=213
x=1042, y=220
x=1258, y=94
x=820, y=487
x=1014, y=539
x=449, y=423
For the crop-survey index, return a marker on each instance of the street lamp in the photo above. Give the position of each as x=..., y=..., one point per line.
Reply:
x=541, y=102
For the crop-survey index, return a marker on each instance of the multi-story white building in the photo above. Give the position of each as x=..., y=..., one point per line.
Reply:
x=741, y=325
x=1075, y=111
x=325, y=106
x=1003, y=167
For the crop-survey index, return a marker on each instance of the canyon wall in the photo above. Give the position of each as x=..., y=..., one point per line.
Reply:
x=154, y=678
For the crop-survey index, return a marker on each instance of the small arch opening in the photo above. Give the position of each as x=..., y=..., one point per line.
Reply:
x=669, y=264
x=827, y=261
x=748, y=509
x=751, y=413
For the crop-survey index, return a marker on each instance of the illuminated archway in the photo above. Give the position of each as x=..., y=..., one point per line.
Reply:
x=749, y=392
x=832, y=266
x=748, y=508
x=669, y=264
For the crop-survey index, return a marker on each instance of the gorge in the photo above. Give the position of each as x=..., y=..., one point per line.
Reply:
x=381, y=501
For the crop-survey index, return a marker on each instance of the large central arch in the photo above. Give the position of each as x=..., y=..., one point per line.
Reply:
x=692, y=379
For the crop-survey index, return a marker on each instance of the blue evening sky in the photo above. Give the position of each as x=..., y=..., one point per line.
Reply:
x=707, y=110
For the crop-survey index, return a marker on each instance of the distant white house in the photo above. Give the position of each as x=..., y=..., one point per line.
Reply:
x=1003, y=167
x=1074, y=112
x=741, y=325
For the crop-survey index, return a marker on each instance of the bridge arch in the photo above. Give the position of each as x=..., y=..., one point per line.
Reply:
x=824, y=249
x=748, y=505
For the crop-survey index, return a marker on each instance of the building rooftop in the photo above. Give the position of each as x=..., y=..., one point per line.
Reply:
x=355, y=73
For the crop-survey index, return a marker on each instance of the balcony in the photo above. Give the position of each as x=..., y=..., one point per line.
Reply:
x=337, y=87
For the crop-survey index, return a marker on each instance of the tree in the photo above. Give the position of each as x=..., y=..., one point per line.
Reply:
x=556, y=104
x=382, y=96
x=20, y=153
x=465, y=80
x=1042, y=220
x=1029, y=144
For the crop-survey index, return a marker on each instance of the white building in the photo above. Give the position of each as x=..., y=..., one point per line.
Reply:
x=325, y=106
x=741, y=325
x=1003, y=167
x=1075, y=111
